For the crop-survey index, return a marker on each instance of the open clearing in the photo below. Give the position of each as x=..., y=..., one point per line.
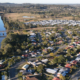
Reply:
x=19, y=16
x=24, y=31
x=37, y=17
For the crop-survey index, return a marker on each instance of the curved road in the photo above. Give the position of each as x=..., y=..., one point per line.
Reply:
x=13, y=70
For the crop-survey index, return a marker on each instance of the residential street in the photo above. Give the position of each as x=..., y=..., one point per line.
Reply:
x=39, y=40
x=13, y=70
x=39, y=36
x=76, y=75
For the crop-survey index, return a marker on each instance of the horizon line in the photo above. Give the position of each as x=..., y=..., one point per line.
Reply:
x=40, y=3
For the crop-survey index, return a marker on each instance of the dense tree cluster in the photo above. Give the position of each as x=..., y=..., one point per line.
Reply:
x=13, y=44
x=11, y=25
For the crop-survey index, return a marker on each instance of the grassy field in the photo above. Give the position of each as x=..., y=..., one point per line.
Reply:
x=26, y=30
x=66, y=18
x=19, y=16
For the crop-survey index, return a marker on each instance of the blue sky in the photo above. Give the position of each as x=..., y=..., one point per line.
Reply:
x=43, y=1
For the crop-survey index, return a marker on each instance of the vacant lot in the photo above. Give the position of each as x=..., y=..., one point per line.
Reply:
x=37, y=17
x=25, y=31
x=66, y=18
x=19, y=16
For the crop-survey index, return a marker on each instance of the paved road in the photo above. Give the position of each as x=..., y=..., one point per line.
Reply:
x=13, y=70
x=40, y=38
x=76, y=75
x=63, y=47
x=29, y=29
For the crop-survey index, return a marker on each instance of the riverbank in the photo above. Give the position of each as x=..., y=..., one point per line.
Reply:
x=2, y=28
x=1, y=38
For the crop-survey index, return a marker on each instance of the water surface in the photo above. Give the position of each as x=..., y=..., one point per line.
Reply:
x=2, y=29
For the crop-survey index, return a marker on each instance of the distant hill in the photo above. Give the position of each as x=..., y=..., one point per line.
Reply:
x=13, y=4
x=38, y=5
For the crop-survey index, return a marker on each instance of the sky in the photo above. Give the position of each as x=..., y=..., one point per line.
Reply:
x=43, y=1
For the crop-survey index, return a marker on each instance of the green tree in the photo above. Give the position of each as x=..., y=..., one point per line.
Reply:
x=52, y=54
x=62, y=77
x=40, y=68
x=7, y=48
x=39, y=58
x=55, y=60
x=61, y=59
x=19, y=51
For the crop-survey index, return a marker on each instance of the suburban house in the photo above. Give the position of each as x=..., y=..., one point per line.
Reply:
x=63, y=71
x=24, y=56
x=59, y=42
x=74, y=62
x=31, y=78
x=25, y=66
x=77, y=43
x=32, y=36
x=1, y=63
x=26, y=51
x=54, y=22
x=68, y=65
x=55, y=78
x=75, y=37
x=33, y=54
x=69, y=32
x=51, y=71
x=51, y=48
x=78, y=59
x=44, y=50
x=44, y=60
x=78, y=54
x=32, y=63
x=28, y=71
x=36, y=63
x=71, y=46
x=51, y=42
x=57, y=34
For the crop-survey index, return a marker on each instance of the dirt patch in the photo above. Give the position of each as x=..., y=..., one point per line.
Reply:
x=19, y=16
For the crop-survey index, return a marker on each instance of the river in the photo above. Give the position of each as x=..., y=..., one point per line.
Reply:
x=2, y=29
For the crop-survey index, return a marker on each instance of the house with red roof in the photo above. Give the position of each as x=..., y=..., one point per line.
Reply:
x=74, y=62
x=55, y=78
x=31, y=78
x=71, y=46
x=67, y=48
x=78, y=54
x=68, y=65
